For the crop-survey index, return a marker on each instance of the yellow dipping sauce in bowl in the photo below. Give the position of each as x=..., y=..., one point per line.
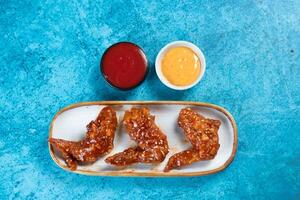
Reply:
x=180, y=66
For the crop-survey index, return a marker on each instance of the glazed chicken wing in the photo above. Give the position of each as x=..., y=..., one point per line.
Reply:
x=152, y=145
x=202, y=134
x=97, y=142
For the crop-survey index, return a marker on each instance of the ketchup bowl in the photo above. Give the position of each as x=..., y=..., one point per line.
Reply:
x=124, y=65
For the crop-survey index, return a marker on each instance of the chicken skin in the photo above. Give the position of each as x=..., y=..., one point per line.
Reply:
x=152, y=144
x=202, y=134
x=97, y=142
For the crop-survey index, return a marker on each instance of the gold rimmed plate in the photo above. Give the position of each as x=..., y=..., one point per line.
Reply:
x=70, y=124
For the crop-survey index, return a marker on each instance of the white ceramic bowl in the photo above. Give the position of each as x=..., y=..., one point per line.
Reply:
x=179, y=44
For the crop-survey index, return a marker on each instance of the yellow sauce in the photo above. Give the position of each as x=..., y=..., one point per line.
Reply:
x=180, y=66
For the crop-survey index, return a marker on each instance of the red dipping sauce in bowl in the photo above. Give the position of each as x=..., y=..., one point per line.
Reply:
x=124, y=65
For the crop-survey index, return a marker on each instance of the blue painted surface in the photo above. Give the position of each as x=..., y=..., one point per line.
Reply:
x=49, y=56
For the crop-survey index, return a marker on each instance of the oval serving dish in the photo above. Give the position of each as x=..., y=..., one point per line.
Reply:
x=70, y=124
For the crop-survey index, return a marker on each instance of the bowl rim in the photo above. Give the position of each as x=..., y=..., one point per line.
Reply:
x=110, y=83
x=178, y=43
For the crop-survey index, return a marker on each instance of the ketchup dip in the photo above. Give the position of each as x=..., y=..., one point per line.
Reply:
x=124, y=65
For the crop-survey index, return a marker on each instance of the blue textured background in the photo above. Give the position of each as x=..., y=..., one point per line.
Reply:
x=49, y=56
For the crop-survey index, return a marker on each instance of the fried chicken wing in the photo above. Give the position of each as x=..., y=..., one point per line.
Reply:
x=152, y=143
x=202, y=134
x=97, y=142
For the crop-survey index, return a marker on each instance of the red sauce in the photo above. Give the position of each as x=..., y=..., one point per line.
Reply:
x=124, y=65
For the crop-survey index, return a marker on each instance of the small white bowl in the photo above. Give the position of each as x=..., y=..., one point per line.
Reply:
x=161, y=54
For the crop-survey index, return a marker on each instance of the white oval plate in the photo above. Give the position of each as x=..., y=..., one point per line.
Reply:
x=70, y=124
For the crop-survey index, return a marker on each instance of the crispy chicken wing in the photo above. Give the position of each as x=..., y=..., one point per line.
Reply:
x=152, y=143
x=202, y=134
x=97, y=142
